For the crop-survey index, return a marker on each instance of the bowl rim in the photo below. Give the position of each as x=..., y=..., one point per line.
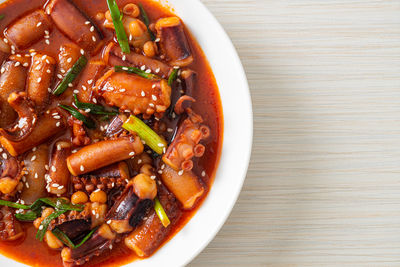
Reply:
x=200, y=228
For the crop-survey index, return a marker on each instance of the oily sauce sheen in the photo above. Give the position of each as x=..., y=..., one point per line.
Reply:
x=32, y=252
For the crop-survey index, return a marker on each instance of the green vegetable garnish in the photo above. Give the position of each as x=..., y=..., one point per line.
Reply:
x=30, y=216
x=152, y=139
x=172, y=77
x=119, y=27
x=137, y=71
x=161, y=213
x=65, y=239
x=93, y=108
x=2, y=16
x=45, y=223
x=57, y=203
x=13, y=205
x=86, y=120
x=71, y=75
x=146, y=21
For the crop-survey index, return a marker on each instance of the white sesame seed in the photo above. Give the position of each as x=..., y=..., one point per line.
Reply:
x=180, y=172
x=5, y=40
x=139, y=161
x=94, y=100
x=170, y=130
x=17, y=64
x=82, y=168
x=160, y=171
x=70, y=85
x=46, y=32
x=132, y=153
x=123, y=57
x=160, y=144
x=58, y=147
x=46, y=167
x=154, y=97
x=41, y=227
x=47, y=41
x=90, y=81
x=34, y=149
x=97, y=215
x=55, y=185
x=176, y=67
x=130, y=37
x=57, y=117
x=109, y=221
x=143, y=67
x=38, y=25
x=122, y=90
x=4, y=155
x=48, y=71
x=87, y=22
x=157, y=40
x=148, y=71
x=59, y=76
x=94, y=39
x=74, y=151
x=84, y=88
x=39, y=79
x=2, y=70
x=92, y=29
x=153, y=177
x=87, y=110
x=33, y=158
x=203, y=173
x=76, y=92
x=110, y=246
x=143, y=93
x=62, y=71
x=69, y=59
x=53, y=168
x=36, y=175
x=151, y=105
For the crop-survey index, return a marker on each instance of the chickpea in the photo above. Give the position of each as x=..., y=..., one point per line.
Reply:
x=79, y=197
x=98, y=213
x=46, y=212
x=147, y=169
x=66, y=254
x=37, y=222
x=7, y=185
x=150, y=49
x=131, y=10
x=135, y=28
x=105, y=231
x=52, y=241
x=144, y=186
x=98, y=196
x=108, y=15
x=100, y=16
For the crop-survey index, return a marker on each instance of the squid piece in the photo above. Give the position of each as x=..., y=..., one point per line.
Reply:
x=100, y=241
x=189, y=81
x=35, y=162
x=128, y=211
x=12, y=79
x=115, y=126
x=91, y=73
x=79, y=136
x=185, y=185
x=40, y=78
x=73, y=23
x=140, y=95
x=59, y=176
x=11, y=174
x=183, y=103
x=173, y=42
x=28, y=29
x=116, y=170
x=46, y=127
x=26, y=117
x=148, y=236
x=10, y=228
x=186, y=143
x=113, y=55
x=97, y=155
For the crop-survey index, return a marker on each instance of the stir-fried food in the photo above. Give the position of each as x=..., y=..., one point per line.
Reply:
x=110, y=130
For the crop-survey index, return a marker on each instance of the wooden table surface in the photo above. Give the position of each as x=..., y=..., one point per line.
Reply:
x=323, y=187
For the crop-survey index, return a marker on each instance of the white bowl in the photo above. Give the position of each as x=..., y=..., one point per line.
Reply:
x=237, y=141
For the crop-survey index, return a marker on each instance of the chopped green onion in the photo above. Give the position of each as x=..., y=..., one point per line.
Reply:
x=86, y=120
x=172, y=77
x=137, y=71
x=13, y=205
x=45, y=223
x=57, y=203
x=30, y=216
x=146, y=21
x=65, y=239
x=152, y=139
x=2, y=16
x=71, y=75
x=93, y=108
x=119, y=27
x=161, y=213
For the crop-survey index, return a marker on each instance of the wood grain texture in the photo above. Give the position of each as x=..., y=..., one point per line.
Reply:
x=323, y=187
